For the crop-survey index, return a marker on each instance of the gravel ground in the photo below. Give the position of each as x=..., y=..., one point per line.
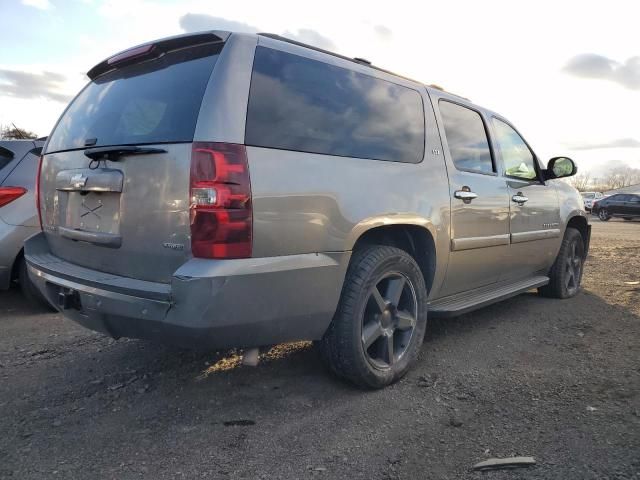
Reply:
x=556, y=380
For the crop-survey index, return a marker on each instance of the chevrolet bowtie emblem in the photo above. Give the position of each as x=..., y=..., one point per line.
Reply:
x=78, y=180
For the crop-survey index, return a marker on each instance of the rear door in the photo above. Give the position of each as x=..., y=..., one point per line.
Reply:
x=634, y=205
x=479, y=201
x=115, y=174
x=534, y=213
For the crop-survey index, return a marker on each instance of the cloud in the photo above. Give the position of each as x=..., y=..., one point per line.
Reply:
x=382, y=32
x=41, y=4
x=311, y=37
x=590, y=65
x=196, y=22
x=619, y=143
x=47, y=85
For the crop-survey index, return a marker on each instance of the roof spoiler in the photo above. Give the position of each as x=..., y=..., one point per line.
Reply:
x=156, y=49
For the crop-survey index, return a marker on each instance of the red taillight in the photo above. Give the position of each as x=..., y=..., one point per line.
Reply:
x=38, y=191
x=9, y=194
x=220, y=201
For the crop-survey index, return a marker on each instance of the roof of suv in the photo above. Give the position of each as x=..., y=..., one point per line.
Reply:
x=188, y=39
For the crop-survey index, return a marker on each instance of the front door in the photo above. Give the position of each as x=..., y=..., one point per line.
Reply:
x=534, y=213
x=479, y=202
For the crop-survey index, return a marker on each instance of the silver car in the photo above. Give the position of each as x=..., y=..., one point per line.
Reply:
x=18, y=213
x=236, y=190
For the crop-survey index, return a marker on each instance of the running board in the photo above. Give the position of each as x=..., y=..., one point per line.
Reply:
x=467, y=301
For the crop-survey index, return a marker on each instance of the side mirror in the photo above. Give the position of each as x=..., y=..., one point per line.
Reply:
x=560, y=167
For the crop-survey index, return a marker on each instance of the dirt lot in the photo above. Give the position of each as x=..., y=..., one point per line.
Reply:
x=557, y=380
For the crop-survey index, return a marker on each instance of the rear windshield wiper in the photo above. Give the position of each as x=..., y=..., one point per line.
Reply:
x=114, y=153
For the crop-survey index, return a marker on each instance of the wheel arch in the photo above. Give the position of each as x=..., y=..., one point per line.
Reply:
x=580, y=223
x=415, y=236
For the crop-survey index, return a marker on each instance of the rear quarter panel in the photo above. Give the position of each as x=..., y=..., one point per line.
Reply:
x=22, y=211
x=310, y=203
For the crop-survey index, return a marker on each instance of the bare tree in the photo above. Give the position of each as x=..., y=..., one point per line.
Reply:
x=12, y=132
x=581, y=182
x=621, y=177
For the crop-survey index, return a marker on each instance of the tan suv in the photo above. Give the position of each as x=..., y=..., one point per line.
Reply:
x=235, y=190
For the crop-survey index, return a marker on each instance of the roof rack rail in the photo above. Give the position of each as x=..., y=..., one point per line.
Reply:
x=358, y=60
x=442, y=89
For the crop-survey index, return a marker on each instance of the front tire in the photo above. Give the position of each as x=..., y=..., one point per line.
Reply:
x=566, y=273
x=603, y=215
x=378, y=329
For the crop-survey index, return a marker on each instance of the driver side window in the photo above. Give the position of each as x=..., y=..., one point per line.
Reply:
x=518, y=160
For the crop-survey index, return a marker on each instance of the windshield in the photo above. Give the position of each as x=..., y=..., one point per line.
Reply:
x=588, y=196
x=155, y=101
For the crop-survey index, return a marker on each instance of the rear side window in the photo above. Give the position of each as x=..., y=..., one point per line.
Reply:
x=309, y=106
x=466, y=137
x=5, y=157
x=156, y=101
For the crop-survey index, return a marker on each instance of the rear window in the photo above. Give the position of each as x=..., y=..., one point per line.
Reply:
x=309, y=106
x=156, y=101
x=467, y=138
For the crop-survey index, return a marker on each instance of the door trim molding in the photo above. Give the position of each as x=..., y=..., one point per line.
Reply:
x=535, y=235
x=469, y=243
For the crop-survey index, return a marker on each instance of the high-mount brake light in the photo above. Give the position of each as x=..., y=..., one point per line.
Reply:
x=220, y=201
x=9, y=194
x=130, y=54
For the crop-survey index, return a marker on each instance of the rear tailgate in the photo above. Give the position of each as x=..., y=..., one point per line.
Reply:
x=126, y=212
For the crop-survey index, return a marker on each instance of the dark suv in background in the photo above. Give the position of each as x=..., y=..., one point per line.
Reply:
x=620, y=205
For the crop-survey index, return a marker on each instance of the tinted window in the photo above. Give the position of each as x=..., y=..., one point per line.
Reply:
x=467, y=138
x=150, y=102
x=634, y=198
x=5, y=157
x=309, y=106
x=517, y=158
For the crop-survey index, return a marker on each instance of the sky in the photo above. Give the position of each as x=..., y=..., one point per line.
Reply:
x=566, y=73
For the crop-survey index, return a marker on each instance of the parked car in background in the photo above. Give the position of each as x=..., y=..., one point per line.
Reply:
x=621, y=205
x=589, y=198
x=236, y=190
x=18, y=213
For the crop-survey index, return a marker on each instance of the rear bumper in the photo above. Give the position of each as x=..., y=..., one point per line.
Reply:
x=209, y=303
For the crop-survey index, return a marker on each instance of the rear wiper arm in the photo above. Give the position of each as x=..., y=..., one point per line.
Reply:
x=114, y=153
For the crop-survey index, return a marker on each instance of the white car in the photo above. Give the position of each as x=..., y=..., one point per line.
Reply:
x=589, y=198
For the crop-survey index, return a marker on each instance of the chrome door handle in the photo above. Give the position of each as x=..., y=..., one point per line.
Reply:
x=465, y=195
x=519, y=198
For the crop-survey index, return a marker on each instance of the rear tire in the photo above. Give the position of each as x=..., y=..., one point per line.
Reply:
x=29, y=290
x=379, y=326
x=566, y=273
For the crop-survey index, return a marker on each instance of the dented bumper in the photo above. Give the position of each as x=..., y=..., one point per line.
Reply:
x=209, y=303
